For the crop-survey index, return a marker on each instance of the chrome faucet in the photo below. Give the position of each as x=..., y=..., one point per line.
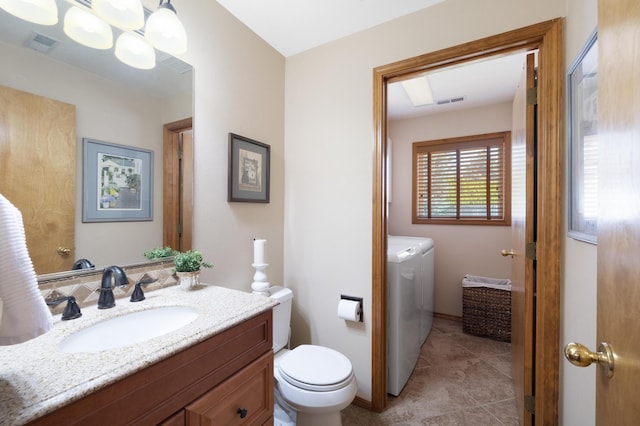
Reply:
x=117, y=275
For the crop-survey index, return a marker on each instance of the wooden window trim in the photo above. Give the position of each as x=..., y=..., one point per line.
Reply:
x=465, y=142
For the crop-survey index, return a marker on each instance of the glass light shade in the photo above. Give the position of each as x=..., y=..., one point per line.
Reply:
x=43, y=12
x=86, y=28
x=135, y=51
x=165, y=31
x=124, y=14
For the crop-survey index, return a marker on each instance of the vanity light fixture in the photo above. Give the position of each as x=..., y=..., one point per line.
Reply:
x=135, y=51
x=418, y=90
x=124, y=14
x=165, y=31
x=43, y=12
x=87, y=22
x=86, y=28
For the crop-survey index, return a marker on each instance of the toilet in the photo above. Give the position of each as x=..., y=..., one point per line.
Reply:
x=312, y=383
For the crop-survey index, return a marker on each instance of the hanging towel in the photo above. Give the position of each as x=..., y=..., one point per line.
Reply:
x=25, y=314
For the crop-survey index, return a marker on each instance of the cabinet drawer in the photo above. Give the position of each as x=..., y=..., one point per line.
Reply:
x=244, y=399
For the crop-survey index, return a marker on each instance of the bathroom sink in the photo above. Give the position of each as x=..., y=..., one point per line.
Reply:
x=129, y=329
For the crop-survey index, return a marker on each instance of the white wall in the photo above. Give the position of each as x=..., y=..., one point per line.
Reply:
x=460, y=249
x=107, y=112
x=329, y=152
x=579, y=298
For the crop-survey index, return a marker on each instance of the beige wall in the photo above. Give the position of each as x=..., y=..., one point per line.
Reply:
x=329, y=152
x=239, y=88
x=460, y=250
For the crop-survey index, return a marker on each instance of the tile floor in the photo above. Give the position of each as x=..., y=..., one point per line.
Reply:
x=459, y=380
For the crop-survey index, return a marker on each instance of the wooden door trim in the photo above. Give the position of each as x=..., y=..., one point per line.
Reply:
x=547, y=38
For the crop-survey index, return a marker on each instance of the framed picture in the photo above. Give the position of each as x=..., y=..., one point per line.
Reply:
x=583, y=137
x=117, y=182
x=248, y=170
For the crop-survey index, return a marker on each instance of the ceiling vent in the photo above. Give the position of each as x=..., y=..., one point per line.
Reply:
x=450, y=100
x=40, y=42
x=172, y=62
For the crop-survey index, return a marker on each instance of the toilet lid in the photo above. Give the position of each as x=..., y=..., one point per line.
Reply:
x=315, y=368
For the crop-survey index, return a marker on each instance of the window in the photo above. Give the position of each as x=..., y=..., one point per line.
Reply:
x=463, y=180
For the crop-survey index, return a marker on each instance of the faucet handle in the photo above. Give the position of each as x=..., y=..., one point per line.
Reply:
x=71, y=311
x=138, y=294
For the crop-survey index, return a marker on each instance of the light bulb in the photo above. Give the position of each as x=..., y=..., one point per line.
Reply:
x=43, y=12
x=124, y=14
x=135, y=51
x=165, y=31
x=86, y=28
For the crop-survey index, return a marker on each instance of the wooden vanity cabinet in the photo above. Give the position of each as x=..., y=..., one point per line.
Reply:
x=201, y=385
x=244, y=399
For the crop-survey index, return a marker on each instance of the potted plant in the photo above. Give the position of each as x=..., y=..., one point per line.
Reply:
x=106, y=200
x=159, y=253
x=113, y=194
x=188, y=264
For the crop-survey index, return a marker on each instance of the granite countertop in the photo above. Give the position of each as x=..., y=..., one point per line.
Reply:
x=37, y=378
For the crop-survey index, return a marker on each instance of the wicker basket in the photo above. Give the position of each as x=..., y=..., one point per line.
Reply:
x=486, y=307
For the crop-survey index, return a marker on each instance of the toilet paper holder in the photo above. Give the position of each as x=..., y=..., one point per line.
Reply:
x=355, y=299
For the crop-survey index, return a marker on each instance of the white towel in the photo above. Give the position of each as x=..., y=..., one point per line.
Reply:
x=25, y=314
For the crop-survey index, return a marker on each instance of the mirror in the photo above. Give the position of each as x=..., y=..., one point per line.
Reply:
x=113, y=103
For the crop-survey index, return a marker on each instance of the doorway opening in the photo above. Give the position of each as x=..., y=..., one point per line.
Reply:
x=178, y=185
x=546, y=37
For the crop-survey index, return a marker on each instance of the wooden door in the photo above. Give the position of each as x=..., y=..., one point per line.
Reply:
x=619, y=209
x=523, y=232
x=37, y=173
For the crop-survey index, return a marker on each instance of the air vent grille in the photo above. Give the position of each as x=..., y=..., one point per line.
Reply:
x=172, y=62
x=40, y=42
x=450, y=100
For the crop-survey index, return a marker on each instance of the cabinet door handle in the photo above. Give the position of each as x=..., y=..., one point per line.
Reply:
x=242, y=412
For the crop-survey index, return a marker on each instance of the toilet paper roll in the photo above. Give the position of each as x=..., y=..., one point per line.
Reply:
x=349, y=310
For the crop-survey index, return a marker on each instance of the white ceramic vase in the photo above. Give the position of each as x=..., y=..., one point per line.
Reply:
x=188, y=280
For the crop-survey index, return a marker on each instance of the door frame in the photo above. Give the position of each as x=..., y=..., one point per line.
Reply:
x=177, y=189
x=547, y=37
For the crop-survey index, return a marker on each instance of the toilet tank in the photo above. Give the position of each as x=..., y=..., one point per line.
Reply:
x=281, y=316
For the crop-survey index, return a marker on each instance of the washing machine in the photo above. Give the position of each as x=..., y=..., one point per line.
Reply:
x=403, y=314
x=426, y=250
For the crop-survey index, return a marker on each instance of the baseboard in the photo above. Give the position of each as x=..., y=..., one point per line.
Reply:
x=362, y=403
x=447, y=316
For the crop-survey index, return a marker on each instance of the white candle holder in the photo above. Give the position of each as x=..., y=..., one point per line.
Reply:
x=260, y=284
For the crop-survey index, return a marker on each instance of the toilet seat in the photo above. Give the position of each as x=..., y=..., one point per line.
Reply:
x=316, y=368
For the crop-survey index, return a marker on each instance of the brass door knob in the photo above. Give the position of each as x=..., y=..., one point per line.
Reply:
x=63, y=251
x=580, y=355
x=506, y=252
